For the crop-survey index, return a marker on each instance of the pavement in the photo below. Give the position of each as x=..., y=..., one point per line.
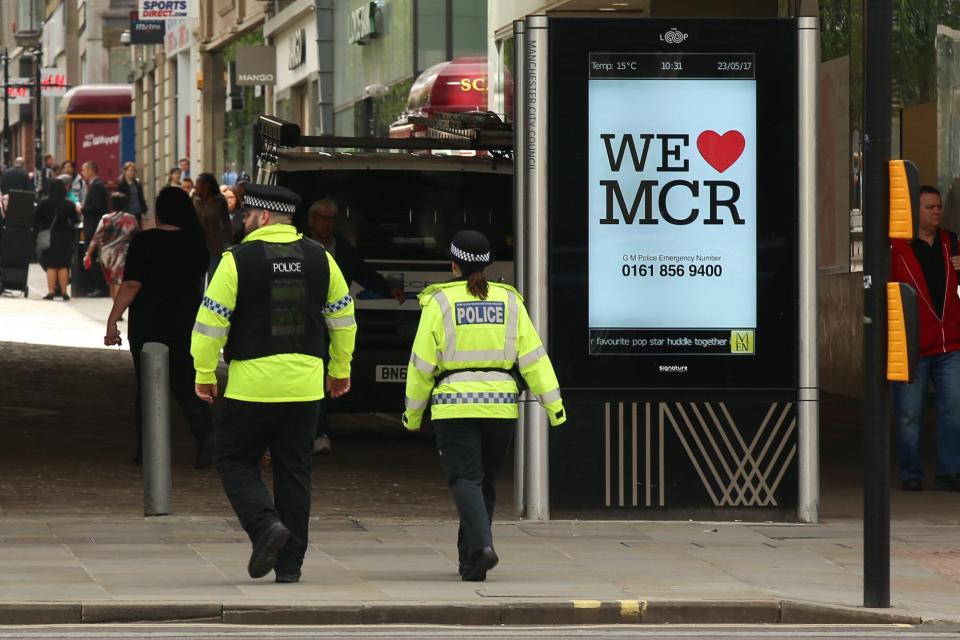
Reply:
x=75, y=548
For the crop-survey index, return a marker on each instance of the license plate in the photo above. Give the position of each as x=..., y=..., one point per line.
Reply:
x=391, y=373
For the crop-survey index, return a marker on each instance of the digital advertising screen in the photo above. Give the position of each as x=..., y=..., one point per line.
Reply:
x=673, y=202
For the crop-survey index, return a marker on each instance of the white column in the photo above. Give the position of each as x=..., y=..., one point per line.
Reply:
x=808, y=56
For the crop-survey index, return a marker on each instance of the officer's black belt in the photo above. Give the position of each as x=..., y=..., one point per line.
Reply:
x=513, y=372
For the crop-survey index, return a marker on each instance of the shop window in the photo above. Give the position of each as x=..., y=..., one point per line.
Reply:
x=469, y=28
x=431, y=32
x=448, y=29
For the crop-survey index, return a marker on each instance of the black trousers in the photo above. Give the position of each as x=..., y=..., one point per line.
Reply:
x=323, y=421
x=473, y=451
x=287, y=428
x=182, y=376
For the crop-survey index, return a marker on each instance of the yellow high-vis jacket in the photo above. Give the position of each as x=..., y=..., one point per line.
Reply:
x=464, y=350
x=285, y=377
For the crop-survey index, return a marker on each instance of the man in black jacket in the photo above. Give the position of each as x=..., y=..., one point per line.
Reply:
x=323, y=218
x=94, y=207
x=16, y=178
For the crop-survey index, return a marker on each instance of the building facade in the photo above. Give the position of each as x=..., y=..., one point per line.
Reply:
x=180, y=90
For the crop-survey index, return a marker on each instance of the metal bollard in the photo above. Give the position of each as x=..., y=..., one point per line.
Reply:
x=155, y=387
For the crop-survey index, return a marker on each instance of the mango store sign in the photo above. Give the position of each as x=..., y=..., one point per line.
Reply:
x=167, y=9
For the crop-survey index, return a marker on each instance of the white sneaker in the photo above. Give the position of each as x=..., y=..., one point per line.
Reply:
x=322, y=446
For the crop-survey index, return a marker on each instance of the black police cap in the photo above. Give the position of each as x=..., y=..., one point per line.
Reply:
x=471, y=247
x=270, y=197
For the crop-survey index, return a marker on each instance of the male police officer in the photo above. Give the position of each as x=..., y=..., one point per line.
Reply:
x=276, y=295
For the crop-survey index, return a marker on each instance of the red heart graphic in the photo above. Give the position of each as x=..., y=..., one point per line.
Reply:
x=721, y=151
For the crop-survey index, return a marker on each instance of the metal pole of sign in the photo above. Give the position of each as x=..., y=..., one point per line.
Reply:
x=808, y=57
x=155, y=387
x=6, y=109
x=878, y=39
x=519, y=239
x=537, y=476
x=38, y=121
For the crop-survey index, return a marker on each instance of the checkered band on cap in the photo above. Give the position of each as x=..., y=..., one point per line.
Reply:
x=464, y=256
x=254, y=202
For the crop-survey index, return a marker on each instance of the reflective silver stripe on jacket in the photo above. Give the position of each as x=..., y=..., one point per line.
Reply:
x=449, y=329
x=213, y=332
x=531, y=358
x=549, y=396
x=478, y=376
x=494, y=355
x=477, y=397
x=422, y=365
x=415, y=405
x=339, y=323
x=510, y=346
x=450, y=353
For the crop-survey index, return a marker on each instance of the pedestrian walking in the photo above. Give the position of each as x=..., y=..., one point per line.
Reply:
x=162, y=286
x=131, y=187
x=232, y=195
x=68, y=173
x=277, y=296
x=112, y=238
x=214, y=218
x=16, y=178
x=95, y=205
x=57, y=214
x=474, y=336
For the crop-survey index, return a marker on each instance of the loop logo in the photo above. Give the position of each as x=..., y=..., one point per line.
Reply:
x=674, y=36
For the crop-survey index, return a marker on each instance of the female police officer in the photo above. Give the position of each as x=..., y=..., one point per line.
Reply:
x=472, y=335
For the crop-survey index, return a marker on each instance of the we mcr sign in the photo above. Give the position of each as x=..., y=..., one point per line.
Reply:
x=671, y=154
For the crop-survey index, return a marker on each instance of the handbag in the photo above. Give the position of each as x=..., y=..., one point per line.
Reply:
x=43, y=237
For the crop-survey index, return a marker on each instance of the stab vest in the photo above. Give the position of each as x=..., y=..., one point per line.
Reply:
x=281, y=293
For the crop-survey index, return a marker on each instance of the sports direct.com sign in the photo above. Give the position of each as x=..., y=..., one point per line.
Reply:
x=167, y=9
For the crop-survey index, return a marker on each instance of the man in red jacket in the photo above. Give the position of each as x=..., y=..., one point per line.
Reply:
x=929, y=264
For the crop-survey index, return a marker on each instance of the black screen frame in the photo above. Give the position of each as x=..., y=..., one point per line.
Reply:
x=775, y=364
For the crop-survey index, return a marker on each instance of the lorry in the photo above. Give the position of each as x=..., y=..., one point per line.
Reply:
x=400, y=202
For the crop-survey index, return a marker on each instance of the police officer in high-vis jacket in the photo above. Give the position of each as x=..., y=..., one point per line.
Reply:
x=271, y=305
x=473, y=335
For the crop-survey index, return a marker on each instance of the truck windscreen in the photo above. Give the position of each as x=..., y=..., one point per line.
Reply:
x=392, y=215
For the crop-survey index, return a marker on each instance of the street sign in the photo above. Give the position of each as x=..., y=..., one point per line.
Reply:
x=167, y=9
x=256, y=65
x=18, y=95
x=147, y=31
x=53, y=82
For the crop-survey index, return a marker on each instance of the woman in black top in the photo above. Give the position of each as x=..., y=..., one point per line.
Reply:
x=163, y=286
x=57, y=213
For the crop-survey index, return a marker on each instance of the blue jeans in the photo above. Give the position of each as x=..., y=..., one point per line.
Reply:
x=909, y=401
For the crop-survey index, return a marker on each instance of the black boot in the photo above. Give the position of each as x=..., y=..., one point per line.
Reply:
x=480, y=562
